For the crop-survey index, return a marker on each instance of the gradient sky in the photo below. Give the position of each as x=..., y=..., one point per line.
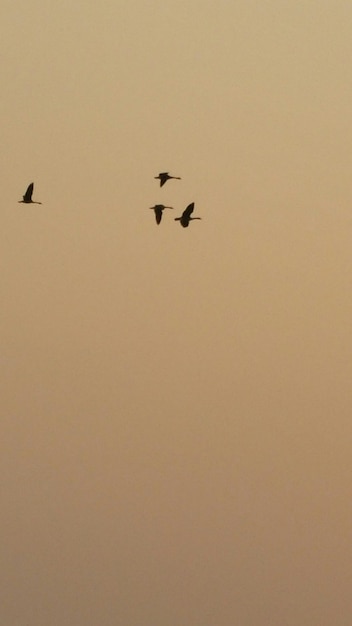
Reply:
x=176, y=403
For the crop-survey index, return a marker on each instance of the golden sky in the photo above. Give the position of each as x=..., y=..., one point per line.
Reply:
x=176, y=403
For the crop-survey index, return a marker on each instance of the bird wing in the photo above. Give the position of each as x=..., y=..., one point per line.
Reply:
x=164, y=177
x=158, y=214
x=188, y=211
x=28, y=195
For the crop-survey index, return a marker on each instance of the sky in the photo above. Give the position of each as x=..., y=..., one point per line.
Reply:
x=176, y=403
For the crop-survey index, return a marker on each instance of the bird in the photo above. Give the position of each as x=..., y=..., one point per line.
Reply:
x=158, y=210
x=27, y=198
x=164, y=177
x=186, y=216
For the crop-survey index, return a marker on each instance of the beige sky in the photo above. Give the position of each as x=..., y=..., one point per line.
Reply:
x=176, y=403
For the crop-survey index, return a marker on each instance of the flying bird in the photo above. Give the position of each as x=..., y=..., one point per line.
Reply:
x=164, y=177
x=27, y=198
x=158, y=210
x=186, y=216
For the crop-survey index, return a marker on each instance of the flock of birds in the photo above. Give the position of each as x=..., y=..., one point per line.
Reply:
x=158, y=209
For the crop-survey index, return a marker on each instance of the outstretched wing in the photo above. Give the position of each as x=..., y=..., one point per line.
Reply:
x=164, y=177
x=188, y=211
x=28, y=195
x=158, y=214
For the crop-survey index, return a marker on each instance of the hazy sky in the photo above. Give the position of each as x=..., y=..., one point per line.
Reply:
x=176, y=403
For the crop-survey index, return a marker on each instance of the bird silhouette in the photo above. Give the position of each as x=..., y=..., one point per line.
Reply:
x=158, y=210
x=164, y=177
x=186, y=216
x=27, y=198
